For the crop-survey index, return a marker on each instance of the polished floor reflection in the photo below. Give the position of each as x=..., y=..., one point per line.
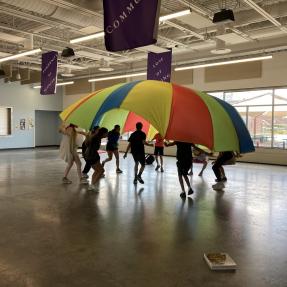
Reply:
x=56, y=235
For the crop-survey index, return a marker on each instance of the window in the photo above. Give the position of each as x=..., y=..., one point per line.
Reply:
x=260, y=125
x=5, y=121
x=264, y=113
x=280, y=127
x=280, y=97
x=249, y=98
x=219, y=95
x=243, y=113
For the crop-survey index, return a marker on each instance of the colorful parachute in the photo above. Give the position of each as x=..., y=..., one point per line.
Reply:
x=176, y=112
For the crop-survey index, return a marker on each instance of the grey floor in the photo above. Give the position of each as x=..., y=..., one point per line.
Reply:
x=56, y=235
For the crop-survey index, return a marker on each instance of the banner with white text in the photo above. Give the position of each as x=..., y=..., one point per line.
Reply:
x=130, y=24
x=159, y=66
x=49, y=73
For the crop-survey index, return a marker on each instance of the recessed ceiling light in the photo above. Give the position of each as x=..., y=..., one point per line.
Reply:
x=105, y=66
x=106, y=69
x=220, y=51
x=67, y=75
x=220, y=48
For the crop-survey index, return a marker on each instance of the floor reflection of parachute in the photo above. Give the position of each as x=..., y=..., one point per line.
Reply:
x=176, y=112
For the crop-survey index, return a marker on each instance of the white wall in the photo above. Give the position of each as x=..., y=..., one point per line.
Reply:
x=24, y=100
x=70, y=99
x=274, y=73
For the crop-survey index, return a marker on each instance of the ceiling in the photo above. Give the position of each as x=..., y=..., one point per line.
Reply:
x=51, y=24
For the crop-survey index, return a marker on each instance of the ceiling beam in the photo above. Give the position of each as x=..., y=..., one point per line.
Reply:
x=266, y=15
x=65, y=43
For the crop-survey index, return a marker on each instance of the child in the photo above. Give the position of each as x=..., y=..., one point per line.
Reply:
x=184, y=163
x=158, y=151
x=137, y=141
x=112, y=147
x=93, y=132
x=218, y=169
x=200, y=156
x=93, y=158
x=68, y=151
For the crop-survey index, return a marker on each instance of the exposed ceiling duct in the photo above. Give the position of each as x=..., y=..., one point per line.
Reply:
x=59, y=13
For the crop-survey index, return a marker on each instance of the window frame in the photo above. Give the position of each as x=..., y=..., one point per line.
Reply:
x=11, y=121
x=272, y=105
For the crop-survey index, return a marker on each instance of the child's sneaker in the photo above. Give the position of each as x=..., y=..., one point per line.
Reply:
x=140, y=179
x=218, y=186
x=183, y=195
x=190, y=191
x=84, y=181
x=92, y=188
x=66, y=180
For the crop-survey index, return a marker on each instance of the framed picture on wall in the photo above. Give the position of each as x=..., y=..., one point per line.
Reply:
x=22, y=124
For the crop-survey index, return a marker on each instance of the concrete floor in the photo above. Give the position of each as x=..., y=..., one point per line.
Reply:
x=56, y=235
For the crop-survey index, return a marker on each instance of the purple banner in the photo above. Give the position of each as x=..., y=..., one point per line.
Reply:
x=130, y=24
x=49, y=73
x=159, y=66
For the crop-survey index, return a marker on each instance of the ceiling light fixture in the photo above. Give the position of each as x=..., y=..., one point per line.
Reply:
x=105, y=66
x=102, y=33
x=117, y=77
x=67, y=73
x=223, y=63
x=220, y=48
x=88, y=37
x=174, y=15
x=58, y=84
x=68, y=52
x=16, y=56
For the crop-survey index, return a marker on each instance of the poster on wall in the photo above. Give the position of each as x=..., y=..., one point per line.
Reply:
x=30, y=123
x=49, y=73
x=22, y=124
x=130, y=24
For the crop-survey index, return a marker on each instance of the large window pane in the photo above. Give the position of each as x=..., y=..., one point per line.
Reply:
x=242, y=112
x=280, y=97
x=249, y=98
x=280, y=127
x=260, y=125
x=217, y=95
